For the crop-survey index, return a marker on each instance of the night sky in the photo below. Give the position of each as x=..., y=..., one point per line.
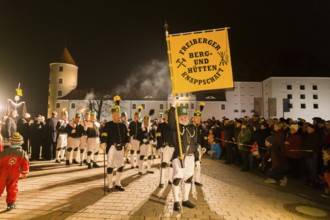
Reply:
x=112, y=42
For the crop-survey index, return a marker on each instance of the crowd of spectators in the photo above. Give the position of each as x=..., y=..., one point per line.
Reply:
x=279, y=148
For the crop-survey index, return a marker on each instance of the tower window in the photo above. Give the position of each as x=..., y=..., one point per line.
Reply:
x=59, y=93
x=314, y=87
x=60, y=69
x=73, y=105
x=302, y=87
x=58, y=105
x=302, y=96
x=316, y=106
x=315, y=96
x=161, y=106
x=302, y=106
x=60, y=81
x=289, y=96
x=289, y=87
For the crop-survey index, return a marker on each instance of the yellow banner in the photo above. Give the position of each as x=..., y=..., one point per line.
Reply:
x=200, y=61
x=19, y=92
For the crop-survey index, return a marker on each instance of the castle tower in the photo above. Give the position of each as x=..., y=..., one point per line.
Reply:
x=63, y=78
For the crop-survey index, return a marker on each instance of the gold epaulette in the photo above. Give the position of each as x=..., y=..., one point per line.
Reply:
x=104, y=134
x=158, y=134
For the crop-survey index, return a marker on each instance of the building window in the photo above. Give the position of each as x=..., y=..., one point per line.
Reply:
x=243, y=111
x=73, y=105
x=289, y=96
x=187, y=95
x=134, y=106
x=58, y=105
x=289, y=87
x=302, y=87
x=316, y=106
x=302, y=106
x=60, y=81
x=223, y=106
x=302, y=96
x=314, y=87
x=315, y=96
x=143, y=106
x=60, y=69
x=290, y=105
x=235, y=110
x=192, y=106
x=59, y=93
x=161, y=106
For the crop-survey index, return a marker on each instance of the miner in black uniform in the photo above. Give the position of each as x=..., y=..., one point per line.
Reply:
x=62, y=140
x=114, y=137
x=74, y=130
x=133, y=128
x=201, y=139
x=183, y=168
x=93, y=140
x=145, y=137
x=166, y=148
x=123, y=118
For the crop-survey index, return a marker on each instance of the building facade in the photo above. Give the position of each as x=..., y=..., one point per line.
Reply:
x=289, y=97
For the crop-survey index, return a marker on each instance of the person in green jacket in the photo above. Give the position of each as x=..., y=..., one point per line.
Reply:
x=244, y=139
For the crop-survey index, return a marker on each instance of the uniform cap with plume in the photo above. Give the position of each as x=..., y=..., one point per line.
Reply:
x=117, y=99
x=138, y=112
x=198, y=113
x=147, y=117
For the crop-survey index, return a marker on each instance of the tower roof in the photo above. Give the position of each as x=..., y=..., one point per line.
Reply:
x=66, y=57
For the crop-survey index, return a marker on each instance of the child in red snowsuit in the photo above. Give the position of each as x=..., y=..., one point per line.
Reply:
x=13, y=162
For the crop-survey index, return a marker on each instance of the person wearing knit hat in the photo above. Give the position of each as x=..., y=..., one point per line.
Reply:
x=201, y=138
x=185, y=153
x=146, y=138
x=279, y=163
x=75, y=131
x=14, y=162
x=133, y=128
x=62, y=140
x=114, y=138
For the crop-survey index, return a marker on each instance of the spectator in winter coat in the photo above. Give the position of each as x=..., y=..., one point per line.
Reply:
x=13, y=163
x=293, y=150
x=244, y=139
x=279, y=163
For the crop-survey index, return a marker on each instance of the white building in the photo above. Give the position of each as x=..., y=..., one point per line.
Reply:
x=308, y=97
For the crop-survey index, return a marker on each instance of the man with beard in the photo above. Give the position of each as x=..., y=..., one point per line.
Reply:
x=185, y=156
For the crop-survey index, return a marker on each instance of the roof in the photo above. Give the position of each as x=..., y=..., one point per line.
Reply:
x=66, y=57
x=211, y=95
x=81, y=94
